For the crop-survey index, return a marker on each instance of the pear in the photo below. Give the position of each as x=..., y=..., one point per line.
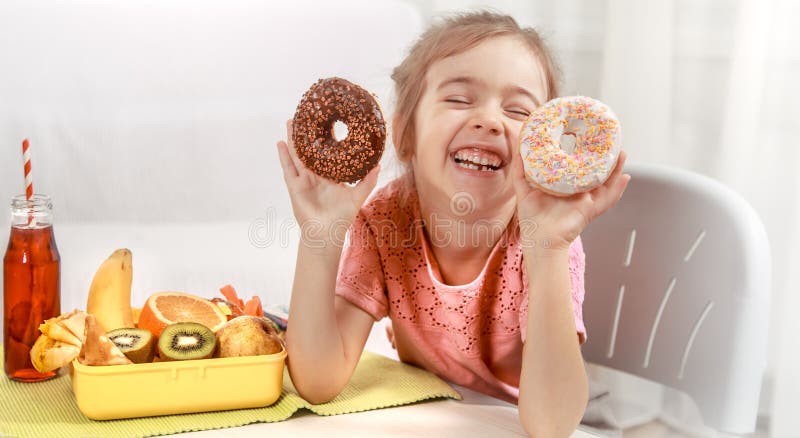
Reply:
x=247, y=336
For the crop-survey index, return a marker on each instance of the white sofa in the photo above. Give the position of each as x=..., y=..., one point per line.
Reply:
x=153, y=126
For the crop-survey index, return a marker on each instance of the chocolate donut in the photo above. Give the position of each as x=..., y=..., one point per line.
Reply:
x=326, y=102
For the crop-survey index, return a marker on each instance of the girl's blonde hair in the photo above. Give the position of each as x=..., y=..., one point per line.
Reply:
x=451, y=36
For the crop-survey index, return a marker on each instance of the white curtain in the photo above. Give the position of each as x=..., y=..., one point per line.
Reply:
x=709, y=86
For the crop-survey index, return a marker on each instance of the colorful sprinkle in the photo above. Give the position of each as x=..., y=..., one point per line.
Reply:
x=596, y=146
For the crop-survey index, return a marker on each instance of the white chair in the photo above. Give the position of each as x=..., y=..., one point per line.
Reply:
x=678, y=287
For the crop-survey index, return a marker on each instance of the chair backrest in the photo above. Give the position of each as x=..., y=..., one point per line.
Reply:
x=678, y=287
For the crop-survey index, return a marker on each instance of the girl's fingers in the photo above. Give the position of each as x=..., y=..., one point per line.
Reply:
x=620, y=185
x=301, y=169
x=289, y=169
x=365, y=186
x=615, y=173
x=623, y=156
x=611, y=195
x=611, y=191
x=521, y=185
x=617, y=181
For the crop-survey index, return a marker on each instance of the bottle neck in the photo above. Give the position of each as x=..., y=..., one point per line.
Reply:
x=36, y=212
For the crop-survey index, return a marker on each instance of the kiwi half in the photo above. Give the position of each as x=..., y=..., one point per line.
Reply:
x=186, y=341
x=136, y=344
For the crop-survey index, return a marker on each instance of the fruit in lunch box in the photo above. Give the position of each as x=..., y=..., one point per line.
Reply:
x=186, y=341
x=135, y=343
x=238, y=306
x=60, y=342
x=164, y=308
x=69, y=327
x=136, y=311
x=248, y=336
x=98, y=349
x=49, y=354
x=110, y=292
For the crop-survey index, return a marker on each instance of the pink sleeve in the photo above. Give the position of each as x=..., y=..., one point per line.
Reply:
x=577, y=267
x=360, y=278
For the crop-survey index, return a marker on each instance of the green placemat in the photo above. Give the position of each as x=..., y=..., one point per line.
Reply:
x=48, y=409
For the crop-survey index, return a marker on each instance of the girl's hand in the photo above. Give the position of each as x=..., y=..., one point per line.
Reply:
x=548, y=221
x=321, y=207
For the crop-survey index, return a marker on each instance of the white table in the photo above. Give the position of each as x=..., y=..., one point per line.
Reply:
x=477, y=415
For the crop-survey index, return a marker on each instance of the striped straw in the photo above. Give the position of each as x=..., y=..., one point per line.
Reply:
x=26, y=155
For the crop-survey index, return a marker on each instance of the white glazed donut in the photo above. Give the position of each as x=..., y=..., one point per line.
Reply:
x=563, y=166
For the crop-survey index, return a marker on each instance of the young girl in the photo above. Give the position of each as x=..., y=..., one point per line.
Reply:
x=481, y=275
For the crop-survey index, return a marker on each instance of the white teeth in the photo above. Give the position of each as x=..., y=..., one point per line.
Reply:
x=477, y=159
x=472, y=166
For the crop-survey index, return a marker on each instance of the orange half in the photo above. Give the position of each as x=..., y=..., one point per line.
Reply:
x=164, y=308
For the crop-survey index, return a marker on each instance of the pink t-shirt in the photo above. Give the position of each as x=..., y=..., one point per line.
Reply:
x=470, y=334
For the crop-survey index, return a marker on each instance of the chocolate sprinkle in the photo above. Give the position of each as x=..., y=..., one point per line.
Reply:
x=326, y=102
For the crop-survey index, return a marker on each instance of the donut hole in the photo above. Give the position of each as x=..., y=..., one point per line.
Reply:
x=575, y=128
x=567, y=142
x=339, y=130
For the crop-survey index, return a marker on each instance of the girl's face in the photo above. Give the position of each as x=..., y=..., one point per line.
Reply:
x=469, y=117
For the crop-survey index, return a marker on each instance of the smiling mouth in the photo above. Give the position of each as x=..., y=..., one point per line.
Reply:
x=477, y=159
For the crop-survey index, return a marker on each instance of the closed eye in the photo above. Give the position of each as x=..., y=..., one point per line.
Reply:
x=462, y=100
x=519, y=111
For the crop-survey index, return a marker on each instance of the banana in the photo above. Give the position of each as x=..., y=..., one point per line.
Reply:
x=110, y=293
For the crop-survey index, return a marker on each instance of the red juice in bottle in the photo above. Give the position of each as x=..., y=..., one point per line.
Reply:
x=31, y=284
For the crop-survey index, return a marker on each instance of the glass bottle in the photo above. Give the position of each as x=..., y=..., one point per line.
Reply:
x=31, y=283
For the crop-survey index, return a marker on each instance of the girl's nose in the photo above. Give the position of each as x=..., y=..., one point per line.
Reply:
x=487, y=122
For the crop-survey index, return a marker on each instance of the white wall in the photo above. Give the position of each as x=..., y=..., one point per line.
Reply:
x=153, y=126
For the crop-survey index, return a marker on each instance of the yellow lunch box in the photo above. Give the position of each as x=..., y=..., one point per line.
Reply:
x=178, y=387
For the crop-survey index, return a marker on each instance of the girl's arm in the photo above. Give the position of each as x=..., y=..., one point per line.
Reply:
x=326, y=334
x=553, y=390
